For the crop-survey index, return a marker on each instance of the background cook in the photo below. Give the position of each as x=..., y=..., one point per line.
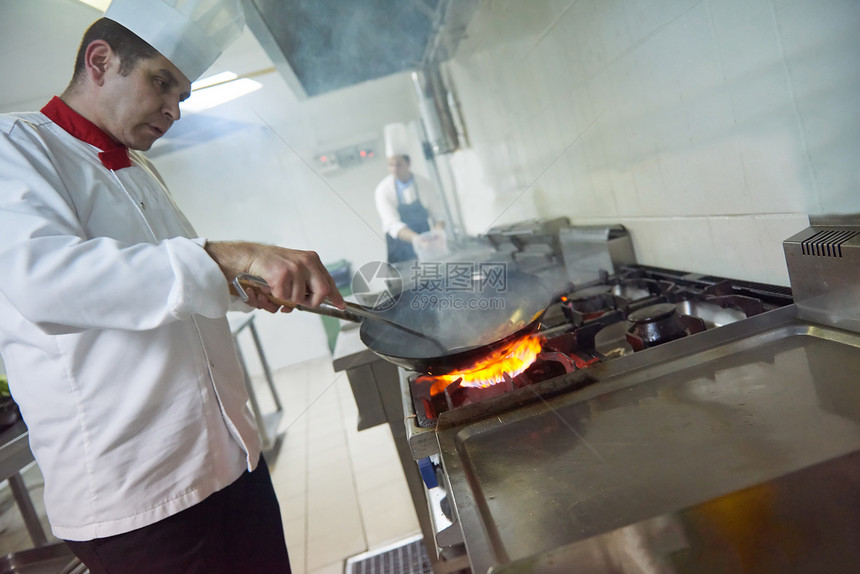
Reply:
x=406, y=202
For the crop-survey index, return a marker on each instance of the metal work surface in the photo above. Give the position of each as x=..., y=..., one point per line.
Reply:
x=683, y=425
x=771, y=528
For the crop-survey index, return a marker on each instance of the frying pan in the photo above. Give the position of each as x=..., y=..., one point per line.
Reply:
x=442, y=331
x=471, y=324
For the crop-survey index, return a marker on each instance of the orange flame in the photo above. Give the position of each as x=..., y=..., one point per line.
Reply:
x=513, y=360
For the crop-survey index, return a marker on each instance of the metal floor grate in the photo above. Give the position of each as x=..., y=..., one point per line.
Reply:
x=405, y=557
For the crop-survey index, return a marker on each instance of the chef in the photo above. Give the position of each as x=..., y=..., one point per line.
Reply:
x=112, y=312
x=404, y=200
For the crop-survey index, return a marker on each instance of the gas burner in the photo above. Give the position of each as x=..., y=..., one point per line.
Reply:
x=635, y=309
x=559, y=355
x=657, y=324
x=639, y=288
x=589, y=303
x=456, y=394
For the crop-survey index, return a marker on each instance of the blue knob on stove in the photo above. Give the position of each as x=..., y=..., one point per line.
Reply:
x=428, y=472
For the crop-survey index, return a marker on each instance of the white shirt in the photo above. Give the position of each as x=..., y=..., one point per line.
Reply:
x=386, y=201
x=113, y=332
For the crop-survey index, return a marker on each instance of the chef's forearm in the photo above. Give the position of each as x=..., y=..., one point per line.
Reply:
x=293, y=275
x=233, y=257
x=136, y=287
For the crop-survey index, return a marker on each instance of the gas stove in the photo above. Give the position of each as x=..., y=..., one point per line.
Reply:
x=637, y=308
x=671, y=422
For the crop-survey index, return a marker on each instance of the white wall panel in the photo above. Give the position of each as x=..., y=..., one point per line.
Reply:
x=710, y=128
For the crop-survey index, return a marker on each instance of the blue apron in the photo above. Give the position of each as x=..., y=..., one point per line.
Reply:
x=415, y=216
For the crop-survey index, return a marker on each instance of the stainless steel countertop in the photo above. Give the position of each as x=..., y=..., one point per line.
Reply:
x=671, y=435
x=349, y=352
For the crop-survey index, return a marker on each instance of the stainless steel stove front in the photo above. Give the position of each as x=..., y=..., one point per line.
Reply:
x=671, y=435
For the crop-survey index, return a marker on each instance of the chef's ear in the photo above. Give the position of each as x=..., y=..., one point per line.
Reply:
x=97, y=60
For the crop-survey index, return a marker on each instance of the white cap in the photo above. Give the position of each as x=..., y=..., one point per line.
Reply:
x=189, y=33
x=397, y=140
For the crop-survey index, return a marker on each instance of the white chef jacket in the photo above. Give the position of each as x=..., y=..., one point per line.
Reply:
x=114, y=336
x=386, y=201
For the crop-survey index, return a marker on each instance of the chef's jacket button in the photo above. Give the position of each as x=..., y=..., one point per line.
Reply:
x=142, y=206
x=212, y=364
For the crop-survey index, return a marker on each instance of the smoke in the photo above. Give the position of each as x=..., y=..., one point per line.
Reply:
x=332, y=44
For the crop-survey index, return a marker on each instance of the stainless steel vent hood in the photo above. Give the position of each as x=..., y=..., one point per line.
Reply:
x=324, y=45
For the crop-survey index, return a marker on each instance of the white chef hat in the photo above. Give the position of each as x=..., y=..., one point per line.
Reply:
x=189, y=33
x=397, y=140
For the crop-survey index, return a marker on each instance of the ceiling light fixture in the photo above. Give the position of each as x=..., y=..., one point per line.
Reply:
x=97, y=4
x=221, y=88
x=217, y=94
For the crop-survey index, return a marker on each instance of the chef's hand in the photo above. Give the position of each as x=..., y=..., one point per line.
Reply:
x=295, y=276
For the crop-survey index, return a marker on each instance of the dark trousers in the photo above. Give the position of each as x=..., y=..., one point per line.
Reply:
x=236, y=530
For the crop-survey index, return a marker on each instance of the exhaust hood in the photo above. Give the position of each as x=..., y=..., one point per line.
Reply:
x=323, y=45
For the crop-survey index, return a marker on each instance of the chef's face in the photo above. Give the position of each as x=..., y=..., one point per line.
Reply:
x=399, y=166
x=140, y=107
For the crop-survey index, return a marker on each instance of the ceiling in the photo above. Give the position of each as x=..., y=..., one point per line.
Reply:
x=317, y=46
x=325, y=45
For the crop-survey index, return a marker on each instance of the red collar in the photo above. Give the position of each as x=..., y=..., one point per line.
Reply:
x=114, y=155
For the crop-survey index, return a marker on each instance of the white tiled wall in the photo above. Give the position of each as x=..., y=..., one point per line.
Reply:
x=710, y=128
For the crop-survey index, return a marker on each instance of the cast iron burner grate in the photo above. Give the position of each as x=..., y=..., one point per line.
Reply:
x=407, y=557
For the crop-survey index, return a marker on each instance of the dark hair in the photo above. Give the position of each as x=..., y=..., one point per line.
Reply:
x=125, y=43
